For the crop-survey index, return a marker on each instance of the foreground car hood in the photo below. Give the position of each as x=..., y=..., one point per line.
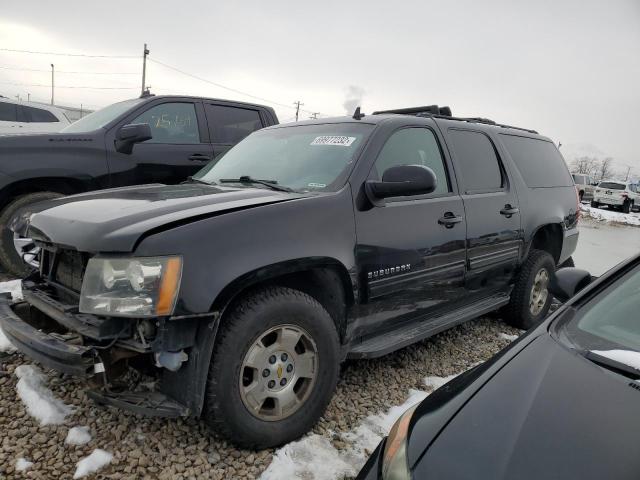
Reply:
x=547, y=414
x=113, y=220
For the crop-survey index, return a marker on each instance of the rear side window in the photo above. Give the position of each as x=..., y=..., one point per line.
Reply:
x=538, y=161
x=8, y=112
x=612, y=185
x=229, y=125
x=39, y=115
x=479, y=165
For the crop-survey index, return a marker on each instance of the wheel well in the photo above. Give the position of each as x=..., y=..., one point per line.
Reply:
x=66, y=186
x=329, y=285
x=549, y=239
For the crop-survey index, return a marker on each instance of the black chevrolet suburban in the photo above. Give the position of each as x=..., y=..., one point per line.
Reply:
x=304, y=245
x=143, y=140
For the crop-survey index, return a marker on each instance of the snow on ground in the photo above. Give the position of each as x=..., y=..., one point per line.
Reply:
x=37, y=398
x=611, y=216
x=506, y=336
x=628, y=357
x=22, y=464
x=5, y=344
x=314, y=457
x=94, y=462
x=14, y=287
x=78, y=436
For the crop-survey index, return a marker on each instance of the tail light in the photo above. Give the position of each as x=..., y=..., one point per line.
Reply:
x=577, y=205
x=625, y=194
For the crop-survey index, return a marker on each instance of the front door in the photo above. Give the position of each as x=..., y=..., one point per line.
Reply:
x=491, y=207
x=410, y=250
x=179, y=147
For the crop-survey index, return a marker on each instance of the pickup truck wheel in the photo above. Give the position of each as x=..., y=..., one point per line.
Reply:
x=274, y=368
x=530, y=298
x=18, y=254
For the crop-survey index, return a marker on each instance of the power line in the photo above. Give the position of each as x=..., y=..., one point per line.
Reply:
x=68, y=86
x=262, y=99
x=66, y=54
x=7, y=67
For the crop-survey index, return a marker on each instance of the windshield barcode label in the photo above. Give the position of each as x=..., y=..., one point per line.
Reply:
x=337, y=140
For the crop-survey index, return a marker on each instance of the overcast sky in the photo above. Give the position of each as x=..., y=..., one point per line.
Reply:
x=570, y=69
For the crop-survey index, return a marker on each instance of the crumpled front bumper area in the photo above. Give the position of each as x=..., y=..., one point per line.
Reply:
x=46, y=349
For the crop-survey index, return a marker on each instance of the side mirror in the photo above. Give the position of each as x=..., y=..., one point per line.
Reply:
x=566, y=282
x=128, y=135
x=400, y=181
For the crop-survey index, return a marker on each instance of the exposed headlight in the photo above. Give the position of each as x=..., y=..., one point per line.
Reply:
x=131, y=287
x=395, y=464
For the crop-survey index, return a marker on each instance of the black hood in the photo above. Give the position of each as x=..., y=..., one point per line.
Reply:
x=548, y=413
x=113, y=220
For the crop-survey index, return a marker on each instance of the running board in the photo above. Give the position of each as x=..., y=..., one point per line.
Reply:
x=420, y=329
x=150, y=404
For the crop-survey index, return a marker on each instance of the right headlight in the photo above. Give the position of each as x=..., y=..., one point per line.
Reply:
x=131, y=287
x=395, y=464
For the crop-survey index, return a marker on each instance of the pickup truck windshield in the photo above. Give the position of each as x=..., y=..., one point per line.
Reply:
x=608, y=324
x=313, y=157
x=100, y=118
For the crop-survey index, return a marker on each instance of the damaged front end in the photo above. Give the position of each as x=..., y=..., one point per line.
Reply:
x=99, y=317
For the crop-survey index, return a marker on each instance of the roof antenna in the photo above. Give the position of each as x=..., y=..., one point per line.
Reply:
x=357, y=115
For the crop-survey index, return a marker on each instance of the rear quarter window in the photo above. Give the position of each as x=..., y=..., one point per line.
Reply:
x=538, y=161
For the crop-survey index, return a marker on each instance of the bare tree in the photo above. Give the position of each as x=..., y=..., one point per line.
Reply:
x=605, y=169
x=585, y=165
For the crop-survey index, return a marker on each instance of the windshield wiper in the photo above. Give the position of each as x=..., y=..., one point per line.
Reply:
x=272, y=184
x=611, y=364
x=197, y=180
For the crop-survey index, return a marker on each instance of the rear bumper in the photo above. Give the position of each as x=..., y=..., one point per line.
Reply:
x=44, y=348
x=609, y=201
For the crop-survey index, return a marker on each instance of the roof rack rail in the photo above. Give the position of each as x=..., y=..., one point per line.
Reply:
x=419, y=111
x=435, y=111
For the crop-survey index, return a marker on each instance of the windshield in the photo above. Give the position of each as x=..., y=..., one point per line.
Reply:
x=612, y=185
x=304, y=158
x=100, y=118
x=609, y=324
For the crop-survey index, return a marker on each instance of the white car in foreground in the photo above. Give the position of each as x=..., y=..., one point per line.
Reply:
x=616, y=194
x=29, y=117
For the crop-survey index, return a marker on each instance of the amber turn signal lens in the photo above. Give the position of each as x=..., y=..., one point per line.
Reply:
x=169, y=286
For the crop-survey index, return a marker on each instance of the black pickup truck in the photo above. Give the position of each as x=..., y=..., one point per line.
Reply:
x=306, y=244
x=149, y=139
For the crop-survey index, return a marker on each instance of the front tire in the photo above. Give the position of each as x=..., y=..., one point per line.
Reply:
x=10, y=259
x=274, y=368
x=530, y=298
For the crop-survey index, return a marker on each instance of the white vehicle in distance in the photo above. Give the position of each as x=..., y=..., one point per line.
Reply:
x=585, y=185
x=616, y=195
x=17, y=117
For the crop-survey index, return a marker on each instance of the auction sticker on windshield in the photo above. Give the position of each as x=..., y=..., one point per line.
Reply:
x=337, y=140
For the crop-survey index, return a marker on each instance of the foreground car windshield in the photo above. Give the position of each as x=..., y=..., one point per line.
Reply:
x=100, y=118
x=304, y=158
x=608, y=324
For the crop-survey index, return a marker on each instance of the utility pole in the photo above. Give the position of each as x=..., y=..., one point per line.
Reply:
x=298, y=104
x=28, y=97
x=314, y=115
x=628, y=172
x=145, y=52
x=52, y=84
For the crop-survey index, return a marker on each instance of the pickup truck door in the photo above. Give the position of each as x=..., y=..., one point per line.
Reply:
x=180, y=145
x=410, y=251
x=494, y=235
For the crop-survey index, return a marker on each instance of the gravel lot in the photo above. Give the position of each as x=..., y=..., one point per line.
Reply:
x=185, y=449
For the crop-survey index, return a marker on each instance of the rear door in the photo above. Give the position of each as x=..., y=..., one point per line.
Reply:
x=229, y=123
x=411, y=250
x=180, y=145
x=494, y=235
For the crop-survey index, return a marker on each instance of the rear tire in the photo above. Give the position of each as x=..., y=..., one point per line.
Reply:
x=530, y=298
x=10, y=259
x=626, y=207
x=241, y=402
